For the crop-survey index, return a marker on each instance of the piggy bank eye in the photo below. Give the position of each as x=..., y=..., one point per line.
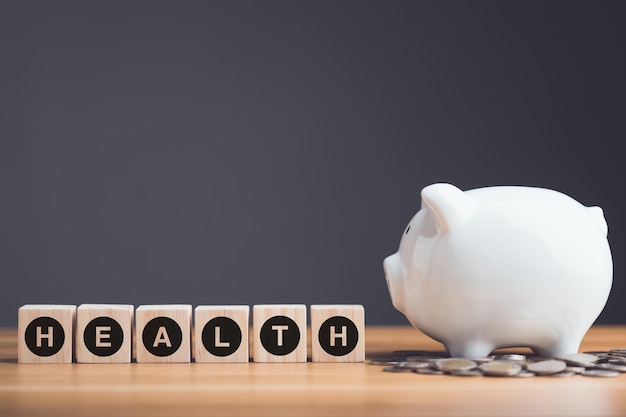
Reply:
x=407, y=230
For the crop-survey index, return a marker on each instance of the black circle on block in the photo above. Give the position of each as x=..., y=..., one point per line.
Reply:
x=162, y=336
x=280, y=335
x=44, y=336
x=338, y=336
x=103, y=336
x=228, y=332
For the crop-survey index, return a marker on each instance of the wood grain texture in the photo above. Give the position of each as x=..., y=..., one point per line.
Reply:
x=340, y=334
x=123, y=314
x=240, y=314
x=64, y=315
x=297, y=389
x=261, y=314
x=181, y=314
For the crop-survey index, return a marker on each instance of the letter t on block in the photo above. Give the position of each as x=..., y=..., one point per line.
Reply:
x=337, y=333
x=45, y=333
x=279, y=333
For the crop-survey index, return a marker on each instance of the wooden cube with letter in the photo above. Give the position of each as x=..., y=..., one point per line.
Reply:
x=163, y=333
x=221, y=333
x=279, y=333
x=337, y=333
x=104, y=333
x=45, y=333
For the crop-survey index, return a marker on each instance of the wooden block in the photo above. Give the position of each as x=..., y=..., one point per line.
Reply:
x=279, y=333
x=337, y=333
x=104, y=333
x=221, y=333
x=163, y=333
x=45, y=333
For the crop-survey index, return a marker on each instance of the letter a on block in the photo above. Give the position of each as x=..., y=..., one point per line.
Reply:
x=162, y=337
x=163, y=333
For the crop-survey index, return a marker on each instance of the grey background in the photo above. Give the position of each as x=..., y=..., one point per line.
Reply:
x=273, y=152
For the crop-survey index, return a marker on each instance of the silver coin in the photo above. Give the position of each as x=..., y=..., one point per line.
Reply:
x=611, y=367
x=482, y=360
x=455, y=364
x=579, y=359
x=617, y=361
x=562, y=374
x=618, y=352
x=575, y=369
x=551, y=366
x=581, y=364
x=385, y=361
x=428, y=371
x=414, y=365
x=500, y=368
x=515, y=357
x=605, y=356
x=600, y=373
x=396, y=369
x=466, y=372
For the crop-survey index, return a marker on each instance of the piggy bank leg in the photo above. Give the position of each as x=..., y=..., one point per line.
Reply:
x=476, y=349
x=559, y=347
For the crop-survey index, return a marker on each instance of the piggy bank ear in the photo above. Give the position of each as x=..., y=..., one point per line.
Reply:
x=598, y=217
x=450, y=205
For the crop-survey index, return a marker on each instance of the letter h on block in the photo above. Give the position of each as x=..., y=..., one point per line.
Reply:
x=45, y=333
x=337, y=333
x=104, y=333
x=163, y=333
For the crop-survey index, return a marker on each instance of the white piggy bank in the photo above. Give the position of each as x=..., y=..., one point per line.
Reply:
x=502, y=267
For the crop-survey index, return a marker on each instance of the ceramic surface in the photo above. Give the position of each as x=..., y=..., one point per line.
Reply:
x=502, y=267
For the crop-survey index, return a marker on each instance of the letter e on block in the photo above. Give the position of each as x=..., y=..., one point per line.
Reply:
x=45, y=333
x=104, y=333
x=221, y=333
x=337, y=333
x=163, y=333
x=279, y=333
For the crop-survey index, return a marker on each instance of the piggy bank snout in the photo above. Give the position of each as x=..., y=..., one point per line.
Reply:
x=393, y=274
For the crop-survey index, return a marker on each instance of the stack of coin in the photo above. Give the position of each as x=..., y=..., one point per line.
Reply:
x=598, y=364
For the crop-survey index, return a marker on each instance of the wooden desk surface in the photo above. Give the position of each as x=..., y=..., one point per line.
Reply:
x=301, y=389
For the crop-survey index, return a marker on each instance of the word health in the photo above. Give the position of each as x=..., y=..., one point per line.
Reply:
x=104, y=333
